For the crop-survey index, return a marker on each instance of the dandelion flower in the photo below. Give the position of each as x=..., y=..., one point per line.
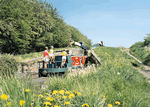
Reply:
x=64, y=97
x=67, y=102
x=22, y=102
x=61, y=92
x=32, y=104
x=71, y=95
x=47, y=103
x=67, y=92
x=103, y=96
x=117, y=102
x=54, y=92
x=85, y=105
x=47, y=94
x=4, y=97
x=109, y=105
x=49, y=98
x=94, y=93
x=9, y=104
x=78, y=93
x=40, y=95
x=27, y=90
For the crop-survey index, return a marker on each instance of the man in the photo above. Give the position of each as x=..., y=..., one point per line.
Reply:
x=100, y=43
x=46, y=56
x=64, y=54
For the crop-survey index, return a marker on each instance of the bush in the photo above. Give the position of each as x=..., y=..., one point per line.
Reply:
x=8, y=65
x=147, y=40
x=137, y=45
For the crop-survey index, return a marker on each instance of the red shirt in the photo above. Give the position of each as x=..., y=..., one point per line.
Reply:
x=45, y=53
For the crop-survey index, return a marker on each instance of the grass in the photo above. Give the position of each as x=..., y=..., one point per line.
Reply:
x=141, y=53
x=115, y=80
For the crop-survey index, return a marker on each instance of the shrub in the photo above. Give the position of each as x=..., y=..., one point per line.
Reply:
x=147, y=40
x=137, y=45
x=8, y=65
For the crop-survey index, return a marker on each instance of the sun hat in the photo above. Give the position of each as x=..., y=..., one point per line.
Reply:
x=52, y=47
x=46, y=48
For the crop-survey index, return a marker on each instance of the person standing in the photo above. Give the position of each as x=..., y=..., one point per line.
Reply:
x=51, y=54
x=46, y=56
x=64, y=54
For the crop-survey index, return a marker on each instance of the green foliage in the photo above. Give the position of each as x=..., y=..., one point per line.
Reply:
x=140, y=50
x=30, y=25
x=137, y=45
x=147, y=40
x=8, y=65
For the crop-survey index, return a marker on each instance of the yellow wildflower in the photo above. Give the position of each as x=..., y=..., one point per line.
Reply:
x=78, y=93
x=50, y=98
x=4, y=97
x=117, y=102
x=85, y=105
x=103, y=96
x=61, y=92
x=71, y=95
x=27, y=90
x=67, y=102
x=9, y=104
x=47, y=103
x=67, y=92
x=47, y=94
x=64, y=97
x=22, y=102
x=94, y=93
x=109, y=105
x=40, y=95
x=32, y=104
x=54, y=92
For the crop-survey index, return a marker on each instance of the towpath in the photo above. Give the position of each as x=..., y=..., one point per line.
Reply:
x=146, y=71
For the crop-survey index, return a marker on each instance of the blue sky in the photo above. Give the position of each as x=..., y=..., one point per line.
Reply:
x=116, y=22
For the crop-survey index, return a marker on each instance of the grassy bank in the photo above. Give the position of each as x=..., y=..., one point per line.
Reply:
x=142, y=53
x=114, y=84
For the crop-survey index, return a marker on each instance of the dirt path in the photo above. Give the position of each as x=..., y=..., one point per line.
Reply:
x=146, y=71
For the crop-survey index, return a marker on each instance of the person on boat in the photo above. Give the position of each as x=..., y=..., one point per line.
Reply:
x=46, y=56
x=64, y=54
x=51, y=54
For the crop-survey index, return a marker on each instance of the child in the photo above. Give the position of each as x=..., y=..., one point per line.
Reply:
x=51, y=54
x=46, y=56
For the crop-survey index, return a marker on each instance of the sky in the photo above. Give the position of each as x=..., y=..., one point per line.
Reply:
x=116, y=22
